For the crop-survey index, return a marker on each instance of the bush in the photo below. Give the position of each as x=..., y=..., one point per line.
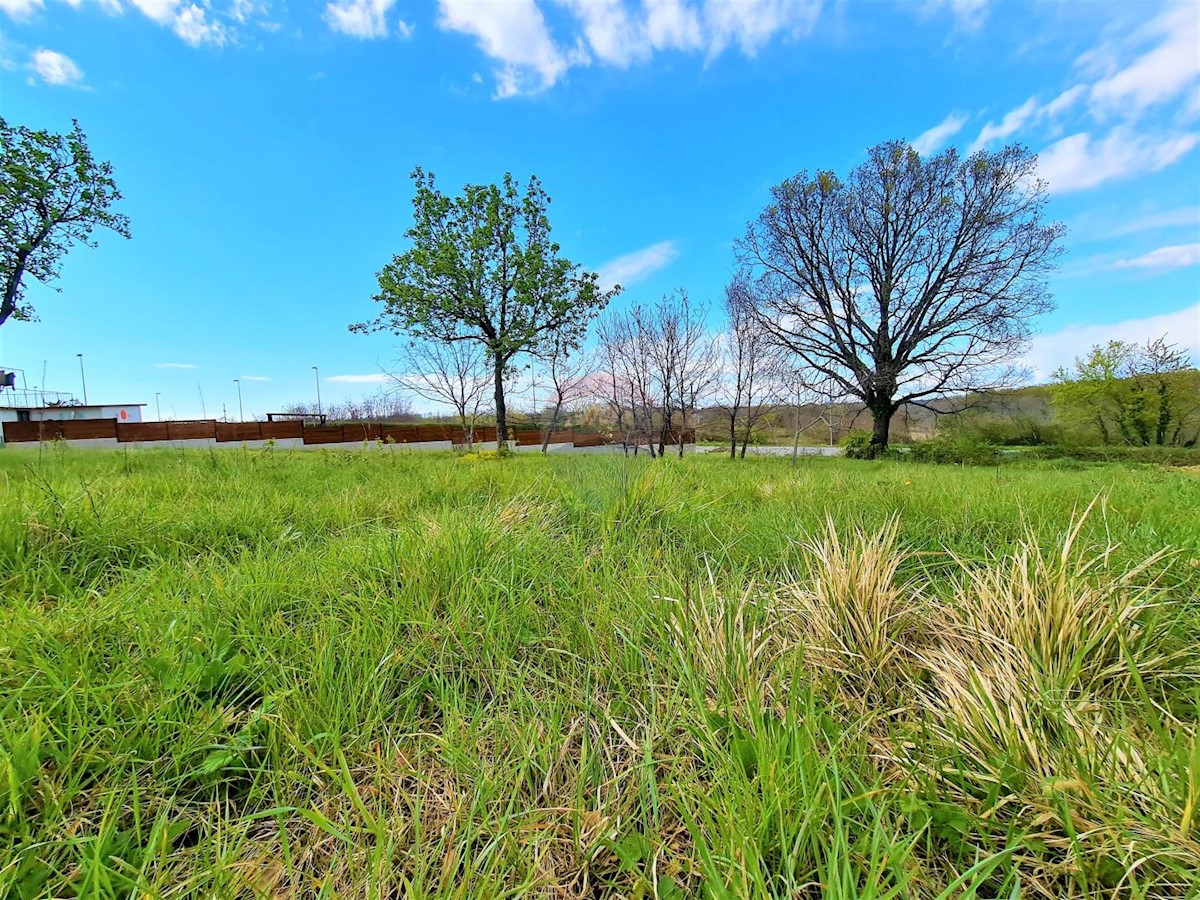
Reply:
x=857, y=445
x=1162, y=456
x=963, y=451
x=485, y=455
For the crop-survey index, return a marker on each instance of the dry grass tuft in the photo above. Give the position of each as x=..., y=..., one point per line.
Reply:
x=854, y=614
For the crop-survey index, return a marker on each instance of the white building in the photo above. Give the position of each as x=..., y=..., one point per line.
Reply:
x=19, y=412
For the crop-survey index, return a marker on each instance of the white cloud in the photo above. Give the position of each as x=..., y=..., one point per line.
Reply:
x=56, y=68
x=1161, y=73
x=1028, y=113
x=616, y=32
x=373, y=378
x=968, y=15
x=20, y=9
x=1183, y=217
x=752, y=23
x=632, y=267
x=1078, y=162
x=255, y=378
x=161, y=11
x=1178, y=256
x=363, y=18
x=936, y=137
x=1060, y=348
x=192, y=25
x=513, y=33
x=191, y=20
x=174, y=365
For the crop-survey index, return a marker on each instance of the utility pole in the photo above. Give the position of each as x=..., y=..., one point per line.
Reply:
x=158, y=405
x=82, y=378
x=317, y=375
x=241, y=415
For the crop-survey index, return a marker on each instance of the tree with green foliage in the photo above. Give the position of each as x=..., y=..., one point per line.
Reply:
x=482, y=267
x=53, y=194
x=1136, y=394
x=913, y=280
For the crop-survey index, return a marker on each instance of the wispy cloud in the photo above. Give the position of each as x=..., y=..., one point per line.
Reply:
x=364, y=19
x=174, y=365
x=936, y=137
x=516, y=35
x=633, y=267
x=55, y=68
x=968, y=15
x=255, y=378
x=1078, y=162
x=1060, y=348
x=195, y=22
x=1179, y=256
x=372, y=378
x=1166, y=67
x=1183, y=217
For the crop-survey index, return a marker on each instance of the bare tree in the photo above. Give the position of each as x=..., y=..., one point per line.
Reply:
x=749, y=378
x=630, y=388
x=912, y=280
x=662, y=364
x=383, y=405
x=565, y=375
x=454, y=373
x=684, y=360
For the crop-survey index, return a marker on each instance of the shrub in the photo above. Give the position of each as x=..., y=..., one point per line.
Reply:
x=1162, y=456
x=963, y=451
x=857, y=445
x=485, y=455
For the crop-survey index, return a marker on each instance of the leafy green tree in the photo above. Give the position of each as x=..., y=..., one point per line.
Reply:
x=483, y=268
x=53, y=193
x=1132, y=394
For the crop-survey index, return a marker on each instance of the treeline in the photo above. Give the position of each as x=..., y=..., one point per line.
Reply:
x=911, y=281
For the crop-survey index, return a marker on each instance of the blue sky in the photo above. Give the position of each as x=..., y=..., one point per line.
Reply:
x=264, y=147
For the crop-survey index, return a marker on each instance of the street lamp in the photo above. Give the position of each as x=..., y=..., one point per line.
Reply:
x=82, y=378
x=241, y=415
x=157, y=405
x=317, y=375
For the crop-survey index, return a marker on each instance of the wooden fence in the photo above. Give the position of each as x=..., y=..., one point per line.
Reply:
x=238, y=432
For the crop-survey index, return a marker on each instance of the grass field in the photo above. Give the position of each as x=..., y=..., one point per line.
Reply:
x=388, y=675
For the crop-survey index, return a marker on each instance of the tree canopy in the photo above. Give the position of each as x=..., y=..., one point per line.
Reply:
x=912, y=279
x=483, y=267
x=53, y=194
x=1143, y=395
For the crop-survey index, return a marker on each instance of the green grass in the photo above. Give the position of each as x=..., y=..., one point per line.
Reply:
x=408, y=675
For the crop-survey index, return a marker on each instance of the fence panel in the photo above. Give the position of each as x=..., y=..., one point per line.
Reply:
x=528, y=438
x=20, y=432
x=196, y=430
x=589, y=440
x=362, y=431
x=323, y=434
x=238, y=431
x=274, y=431
x=88, y=429
x=400, y=434
x=141, y=431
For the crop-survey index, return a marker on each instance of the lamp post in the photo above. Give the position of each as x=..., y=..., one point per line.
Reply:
x=158, y=405
x=317, y=375
x=241, y=415
x=82, y=378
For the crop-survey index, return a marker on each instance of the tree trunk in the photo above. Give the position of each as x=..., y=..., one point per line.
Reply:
x=881, y=420
x=550, y=430
x=501, y=412
x=468, y=430
x=796, y=436
x=733, y=435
